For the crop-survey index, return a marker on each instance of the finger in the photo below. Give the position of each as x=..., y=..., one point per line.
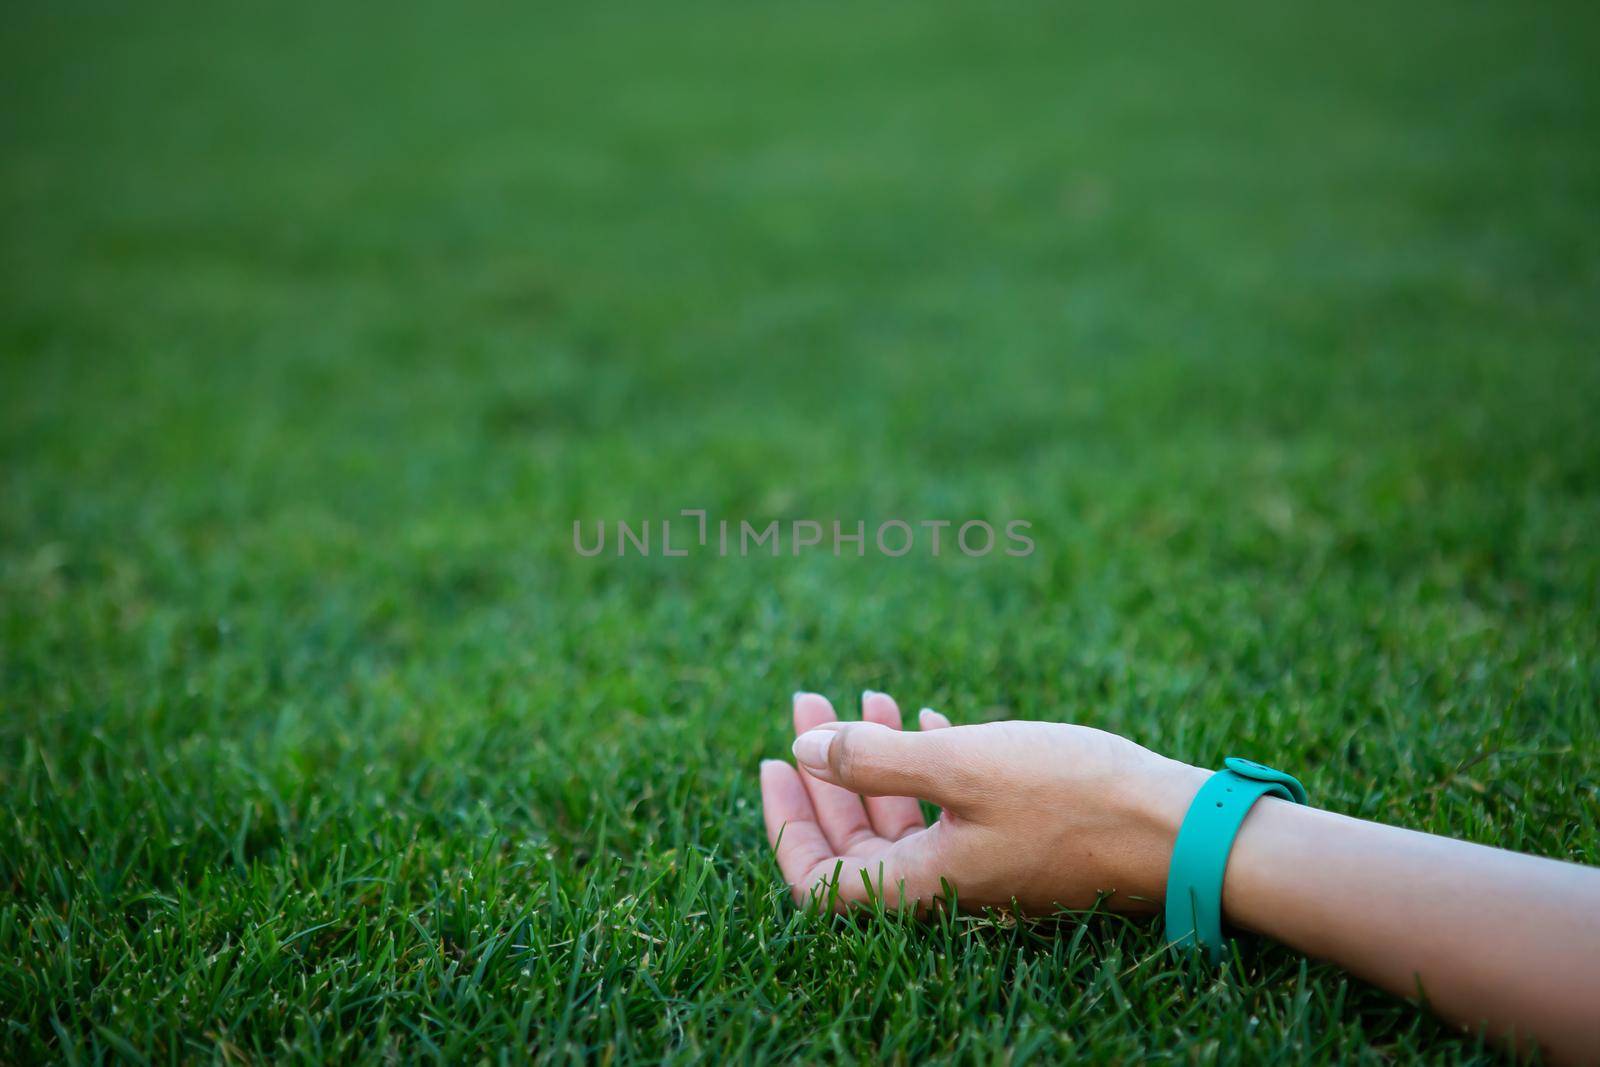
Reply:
x=929, y=719
x=947, y=766
x=792, y=828
x=891, y=817
x=839, y=812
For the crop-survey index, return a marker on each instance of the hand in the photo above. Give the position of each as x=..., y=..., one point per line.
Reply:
x=1047, y=815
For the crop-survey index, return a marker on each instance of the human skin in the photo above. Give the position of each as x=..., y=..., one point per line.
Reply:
x=1046, y=816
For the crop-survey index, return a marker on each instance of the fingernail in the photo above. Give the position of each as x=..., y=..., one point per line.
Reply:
x=922, y=716
x=798, y=693
x=811, y=748
x=865, y=693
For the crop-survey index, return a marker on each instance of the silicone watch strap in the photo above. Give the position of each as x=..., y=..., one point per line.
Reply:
x=1200, y=854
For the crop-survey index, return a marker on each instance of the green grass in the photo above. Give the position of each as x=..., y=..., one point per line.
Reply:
x=318, y=327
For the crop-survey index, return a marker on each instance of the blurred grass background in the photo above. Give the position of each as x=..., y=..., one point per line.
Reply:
x=319, y=324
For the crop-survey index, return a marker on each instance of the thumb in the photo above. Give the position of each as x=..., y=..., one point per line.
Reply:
x=875, y=761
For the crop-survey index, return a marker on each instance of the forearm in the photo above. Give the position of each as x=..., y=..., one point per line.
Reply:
x=1491, y=938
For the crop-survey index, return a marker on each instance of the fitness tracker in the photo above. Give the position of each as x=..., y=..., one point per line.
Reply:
x=1200, y=855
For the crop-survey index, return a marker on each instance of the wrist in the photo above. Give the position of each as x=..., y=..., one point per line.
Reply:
x=1199, y=864
x=1157, y=804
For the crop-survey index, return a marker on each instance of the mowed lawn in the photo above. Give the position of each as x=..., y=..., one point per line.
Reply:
x=320, y=324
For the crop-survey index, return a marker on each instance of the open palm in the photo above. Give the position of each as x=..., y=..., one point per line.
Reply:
x=822, y=830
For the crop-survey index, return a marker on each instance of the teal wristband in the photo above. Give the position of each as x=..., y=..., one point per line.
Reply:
x=1200, y=855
